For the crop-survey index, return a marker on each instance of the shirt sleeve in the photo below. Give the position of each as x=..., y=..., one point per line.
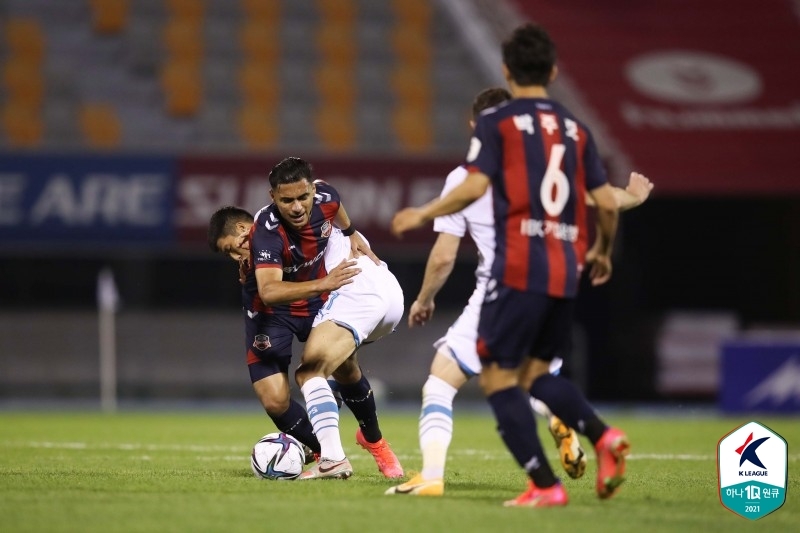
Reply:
x=266, y=245
x=484, y=148
x=456, y=223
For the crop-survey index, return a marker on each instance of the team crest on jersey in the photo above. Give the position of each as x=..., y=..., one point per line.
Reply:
x=261, y=342
x=326, y=229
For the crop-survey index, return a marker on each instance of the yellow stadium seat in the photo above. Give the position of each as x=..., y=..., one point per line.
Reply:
x=261, y=10
x=182, y=85
x=412, y=85
x=259, y=85
x=336, y=85
x=23, y=82
x=413, y=128
x=183, y=40
x=109, y=16
x=22, y=126
x=411, y=46
x=187, y=10
x=25, y=39
x=259, y=42
x=336, y=128
x=337, y=11
x=417, y=13
x=100, y=125
x=337, y=44
x=258, y=126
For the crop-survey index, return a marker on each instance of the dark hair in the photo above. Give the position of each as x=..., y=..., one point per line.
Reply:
x=489, y=98
x=290, y=170
x=223, y=223
x=529, y=55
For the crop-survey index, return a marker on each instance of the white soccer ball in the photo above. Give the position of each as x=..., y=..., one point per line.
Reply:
x=277, y=456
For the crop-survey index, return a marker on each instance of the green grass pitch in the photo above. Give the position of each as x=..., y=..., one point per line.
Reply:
x=189, y=471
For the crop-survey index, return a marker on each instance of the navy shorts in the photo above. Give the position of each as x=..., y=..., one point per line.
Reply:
x=268, y=341
x=516, y=324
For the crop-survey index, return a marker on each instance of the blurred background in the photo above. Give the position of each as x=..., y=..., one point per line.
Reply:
x=125, y=123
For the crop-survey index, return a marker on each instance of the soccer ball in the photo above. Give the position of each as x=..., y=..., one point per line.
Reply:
x=277, y=456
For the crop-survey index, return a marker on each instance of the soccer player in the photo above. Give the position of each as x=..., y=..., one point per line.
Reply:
x=291, y=243
x=361, y=312
x=540, y=162
x=456, y=359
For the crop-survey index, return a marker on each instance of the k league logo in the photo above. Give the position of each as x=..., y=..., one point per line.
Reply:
x=752, y=470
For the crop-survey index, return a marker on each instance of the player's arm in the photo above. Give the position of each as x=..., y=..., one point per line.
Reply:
x=472, y=188
x=634, y=195
x=440, y=264
x=607, y=218
x=358, y=246
x=274, y=291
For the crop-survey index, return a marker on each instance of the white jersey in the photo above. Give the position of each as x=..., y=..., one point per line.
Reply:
x=478, y=220
x=372, y=305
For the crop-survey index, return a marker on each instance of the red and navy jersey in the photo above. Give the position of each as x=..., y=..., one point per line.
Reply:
x=298, y=253
x=541, y=161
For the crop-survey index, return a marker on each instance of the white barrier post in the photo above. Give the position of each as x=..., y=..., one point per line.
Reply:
x=107, y=304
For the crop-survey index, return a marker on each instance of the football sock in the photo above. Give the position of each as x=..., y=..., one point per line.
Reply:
x=517, y=427
x=294, y=421
x=359, y=399
x=435, y=426
x=324, y=416
x=567, y=403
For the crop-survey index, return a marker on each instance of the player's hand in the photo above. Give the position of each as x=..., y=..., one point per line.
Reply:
x=405, y=220
x=420, y=313
x=244, y=267
x=639, y=187
x=359, y=247
x=340, y=276
x=601, y=269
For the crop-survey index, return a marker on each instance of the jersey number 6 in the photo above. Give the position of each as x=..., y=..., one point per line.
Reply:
x=554, y=178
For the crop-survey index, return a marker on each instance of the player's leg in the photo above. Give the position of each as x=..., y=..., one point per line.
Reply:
x=269, y=353
x=369, y=308
x=508, y=327
x=288, y=415
x=570, y=405
x=570, y=452
x=327, y=347
x=357, y=395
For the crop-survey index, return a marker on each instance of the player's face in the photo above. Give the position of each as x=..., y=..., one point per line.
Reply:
x=237, y=247
x=233, y=246
x=294, y=202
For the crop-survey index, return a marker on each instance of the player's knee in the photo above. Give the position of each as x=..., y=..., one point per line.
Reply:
x=274, y=406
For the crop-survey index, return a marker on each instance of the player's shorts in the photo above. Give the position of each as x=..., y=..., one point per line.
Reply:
x=460, y=341
x=370, y=307
x=461, y=338
x=515, y=324
x=268, y=341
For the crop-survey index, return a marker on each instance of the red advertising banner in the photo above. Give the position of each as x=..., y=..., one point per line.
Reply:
x=372, y=190
x=703, y=97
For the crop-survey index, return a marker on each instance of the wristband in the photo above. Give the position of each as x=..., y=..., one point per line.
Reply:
x=349, y=231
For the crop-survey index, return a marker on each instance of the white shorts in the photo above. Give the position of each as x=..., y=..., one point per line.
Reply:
x=370, y=307
x=460, y=341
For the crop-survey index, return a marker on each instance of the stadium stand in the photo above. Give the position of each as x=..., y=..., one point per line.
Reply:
x=325, y=75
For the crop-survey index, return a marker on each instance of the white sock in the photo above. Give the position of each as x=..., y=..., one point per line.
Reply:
x=541, y=409
x=324, y=416
x=435, y=426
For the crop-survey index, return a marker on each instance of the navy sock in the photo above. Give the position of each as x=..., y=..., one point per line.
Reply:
x=517, y=427
x=359, y=398
x=567, y=403
x=295, y=422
